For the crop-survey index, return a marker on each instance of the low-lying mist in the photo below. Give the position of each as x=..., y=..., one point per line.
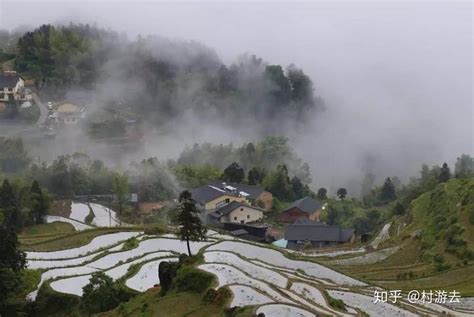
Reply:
x=396, y=83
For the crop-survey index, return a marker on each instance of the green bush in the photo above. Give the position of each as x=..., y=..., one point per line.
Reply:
x=131, y=243
x=192, y=279
x=336, y=303
x=218, y=297
x=154, y=229
x=471, y=216
x=48, y=302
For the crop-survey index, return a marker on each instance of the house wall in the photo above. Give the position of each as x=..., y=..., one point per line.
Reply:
x=243, y=214
x=315, y=215
x=222, y=201
x=295, y=245
x=14, y=93
x=292, y=215
x=266, y=198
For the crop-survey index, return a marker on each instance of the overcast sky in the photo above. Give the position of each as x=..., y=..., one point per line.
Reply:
x=397, y=76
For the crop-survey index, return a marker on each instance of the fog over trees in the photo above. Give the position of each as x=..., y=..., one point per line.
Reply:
x=356, y=101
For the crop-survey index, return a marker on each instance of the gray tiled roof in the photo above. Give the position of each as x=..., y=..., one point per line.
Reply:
x=204, y=194
x=213, y=190
x=306, y=204
x=316, y=231
x=227, y=209
x=253, y=190
x=8, y=81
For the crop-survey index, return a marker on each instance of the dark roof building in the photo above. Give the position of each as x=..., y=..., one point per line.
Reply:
x=253, y=232
x=304, y=208
x=9, y=80
x=306, y=204
x=252, y=191
x=236, y=211
x=317, y=234
x=205, y=193
x=240, y=192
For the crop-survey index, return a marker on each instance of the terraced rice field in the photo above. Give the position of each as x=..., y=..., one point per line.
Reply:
x=256, y=275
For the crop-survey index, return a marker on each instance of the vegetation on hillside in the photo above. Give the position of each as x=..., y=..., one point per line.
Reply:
x=172, y=77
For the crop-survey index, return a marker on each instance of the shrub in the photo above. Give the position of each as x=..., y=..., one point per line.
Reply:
x=191, y=279
x=155, y=229
x=471, y=216
x=131, y=243
x=167, y=272
x=102, y=294
x=336, y=303
x=217, y=297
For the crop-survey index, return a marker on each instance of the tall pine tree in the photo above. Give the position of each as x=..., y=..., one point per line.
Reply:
x=388, y=190
x=39, y=203
x=191, y=228
x=444, y=174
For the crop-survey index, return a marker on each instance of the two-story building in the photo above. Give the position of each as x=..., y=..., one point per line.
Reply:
x=12, y=87
x=256, y=195
x=304, y=208
x=237, y=212
x=68, y=113
x=230, y=203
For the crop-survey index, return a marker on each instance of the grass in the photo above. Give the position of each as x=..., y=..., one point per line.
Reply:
x=173, y=305
x=48, y=229
x=45, y=232
x=432, y=215
x=74, y=240
x=30, y=280
x=459, y=279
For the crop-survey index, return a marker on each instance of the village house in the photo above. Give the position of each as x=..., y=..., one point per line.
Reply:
x=68, y=113
x=306, y=233
x=210, y=198
x=237, y=212
x=304, y=208
x=218, y=194
x=12, y=87
x=256, y=195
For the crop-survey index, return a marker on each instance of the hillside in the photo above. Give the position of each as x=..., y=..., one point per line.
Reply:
x=431, y=247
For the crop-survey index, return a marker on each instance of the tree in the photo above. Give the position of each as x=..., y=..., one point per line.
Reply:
x=298, y=188
x=13, y=156
x=398, y=209
x=444, y=174
x=234, y=173
x=278, y=183
x=322, y=194
x=191, y=228
x=9, y=205
x=367, y=184
x=278, y=85
x=39, y=203
x=341, y=193
x=12, y=262
x=100, y=294
x=120, y=189
x=256, y=175
x=388, y=190
x=464, y=167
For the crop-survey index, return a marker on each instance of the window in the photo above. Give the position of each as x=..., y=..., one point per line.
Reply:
x=241, y=209
x=235, y=218
x=227, y=200
x=2, y=96
x=248, y=216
